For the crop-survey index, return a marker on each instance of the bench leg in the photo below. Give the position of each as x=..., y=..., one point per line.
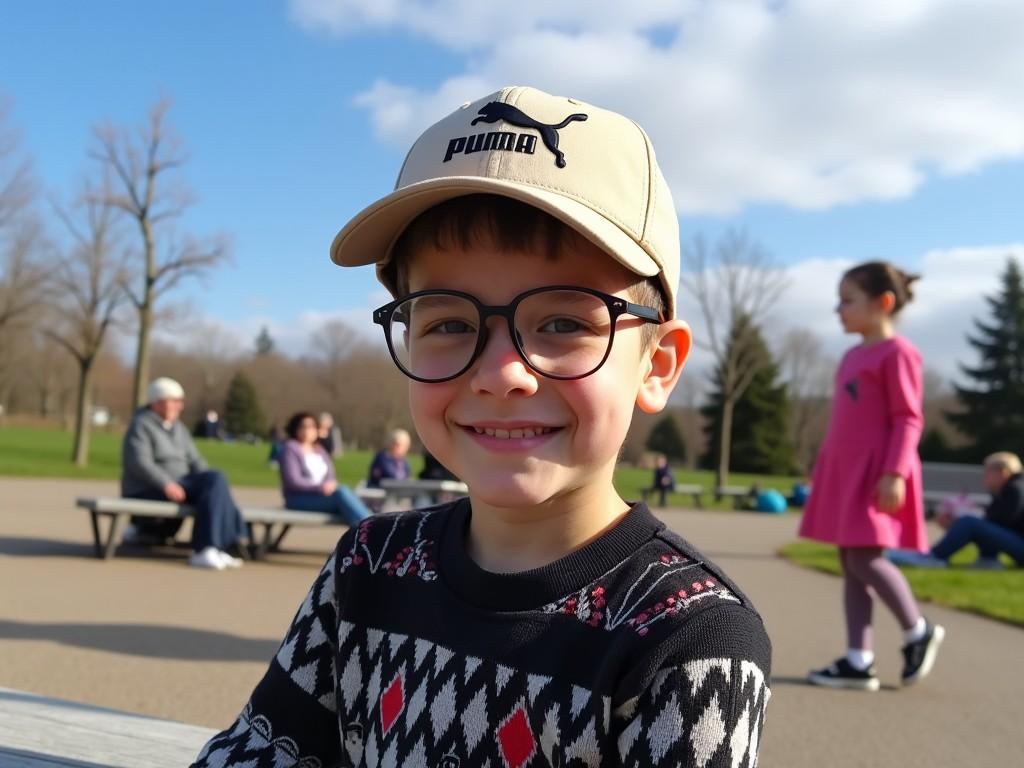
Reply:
x=261, y=540
x=696, y=501
x=94, y=518
x=276, y=545
x=117, y=523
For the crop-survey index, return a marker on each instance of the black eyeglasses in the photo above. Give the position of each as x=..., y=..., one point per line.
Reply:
x=560, y=331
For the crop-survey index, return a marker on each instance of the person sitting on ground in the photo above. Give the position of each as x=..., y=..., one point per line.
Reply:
x=1000, y=531
x=160, y=461
x=329, y=435
x=391, y=462
x=308, y=481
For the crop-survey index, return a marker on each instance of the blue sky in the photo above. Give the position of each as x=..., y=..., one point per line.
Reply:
x=872, y=145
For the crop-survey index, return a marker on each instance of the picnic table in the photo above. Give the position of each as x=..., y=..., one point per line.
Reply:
x=42, y=732
x=413, y=491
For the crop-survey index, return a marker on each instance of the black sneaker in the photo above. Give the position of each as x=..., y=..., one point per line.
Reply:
x=842, y=674
x=919, y=656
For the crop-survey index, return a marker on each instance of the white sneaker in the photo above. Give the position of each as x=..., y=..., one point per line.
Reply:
x=228, y=560
x=207, y=558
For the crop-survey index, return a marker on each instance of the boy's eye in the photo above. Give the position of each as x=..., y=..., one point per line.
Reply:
x=562, y=325
x=449, y=327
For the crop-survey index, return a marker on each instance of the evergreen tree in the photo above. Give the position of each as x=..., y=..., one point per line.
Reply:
x=666, y=438
x=242, y=412
x=264, y=342
x=992, y=417
x=761, y=442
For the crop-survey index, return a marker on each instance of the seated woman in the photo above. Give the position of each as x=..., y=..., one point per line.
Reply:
x=308, y=482
x=999, y=531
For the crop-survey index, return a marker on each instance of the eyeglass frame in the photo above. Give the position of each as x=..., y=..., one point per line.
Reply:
x=617, y=307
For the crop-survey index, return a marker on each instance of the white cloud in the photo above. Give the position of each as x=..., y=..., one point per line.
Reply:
x=807, y=103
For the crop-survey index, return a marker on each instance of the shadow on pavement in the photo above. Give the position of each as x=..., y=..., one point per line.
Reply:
x=30, y=547
x=149, y=640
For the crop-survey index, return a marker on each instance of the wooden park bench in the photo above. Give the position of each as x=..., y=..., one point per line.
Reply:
x=269, y=524
x=41, y=732
x=694, y=490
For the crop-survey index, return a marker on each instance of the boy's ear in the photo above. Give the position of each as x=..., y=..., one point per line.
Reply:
x=666, y=356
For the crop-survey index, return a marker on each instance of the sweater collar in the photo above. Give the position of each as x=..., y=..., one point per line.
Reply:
x=537, y=587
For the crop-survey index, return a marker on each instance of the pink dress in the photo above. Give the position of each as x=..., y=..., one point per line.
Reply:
x=874, y=429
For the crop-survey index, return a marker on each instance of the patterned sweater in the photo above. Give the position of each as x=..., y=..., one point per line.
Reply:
x=632, y=651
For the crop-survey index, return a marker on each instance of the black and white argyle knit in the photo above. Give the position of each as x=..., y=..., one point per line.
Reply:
x=631, y=651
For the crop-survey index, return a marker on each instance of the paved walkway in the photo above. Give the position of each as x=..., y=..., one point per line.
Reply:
x=146, y=634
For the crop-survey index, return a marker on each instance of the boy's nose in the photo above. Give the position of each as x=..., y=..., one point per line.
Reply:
x=500, y=370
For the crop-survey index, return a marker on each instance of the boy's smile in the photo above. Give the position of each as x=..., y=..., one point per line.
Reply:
x=517, y=438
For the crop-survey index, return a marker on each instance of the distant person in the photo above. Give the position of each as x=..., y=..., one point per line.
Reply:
x=160, y=461
x=663, y=480
x=308, y=480
x=434, y=469
x=766, y=500
x=391, y=462
x=867, y=479
x=209, y=426
x=329, y=435
x=276, y=438
x=999, y=531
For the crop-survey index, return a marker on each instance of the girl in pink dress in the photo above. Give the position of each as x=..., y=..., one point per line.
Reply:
x=867, y=479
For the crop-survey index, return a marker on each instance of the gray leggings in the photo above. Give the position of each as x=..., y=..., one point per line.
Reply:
x=864, y=569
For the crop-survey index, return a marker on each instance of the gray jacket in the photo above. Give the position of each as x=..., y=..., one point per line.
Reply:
x=152, y=455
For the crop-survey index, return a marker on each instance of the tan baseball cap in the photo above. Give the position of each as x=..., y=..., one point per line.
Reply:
x=592, y=169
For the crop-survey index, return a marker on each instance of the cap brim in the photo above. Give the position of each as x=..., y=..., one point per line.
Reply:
x=369, y=237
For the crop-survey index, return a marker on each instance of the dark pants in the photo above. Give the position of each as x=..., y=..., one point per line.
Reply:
x=991, y=539
x=342, y=502
x=217, y=522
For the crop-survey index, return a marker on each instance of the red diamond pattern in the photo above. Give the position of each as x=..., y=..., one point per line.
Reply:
x=516, y=739
x=391, y=703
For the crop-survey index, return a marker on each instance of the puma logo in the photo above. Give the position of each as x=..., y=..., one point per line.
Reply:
x=497, y=110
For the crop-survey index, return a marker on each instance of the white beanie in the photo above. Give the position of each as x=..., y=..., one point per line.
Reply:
x=164, y=389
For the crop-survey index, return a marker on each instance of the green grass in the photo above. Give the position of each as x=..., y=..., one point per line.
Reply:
x=997, y=594
x=29, y=452
x=38, y=452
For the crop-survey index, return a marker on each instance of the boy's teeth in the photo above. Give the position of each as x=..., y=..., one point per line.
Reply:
x=516, y=434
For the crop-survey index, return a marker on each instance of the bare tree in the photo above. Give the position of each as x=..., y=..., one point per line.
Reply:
x=735, y=278
x=17, y=186
x=333, y=343
x=143, y=165
x=808, y=374
x=89, y=278
x=22, y=242
x=23, y=273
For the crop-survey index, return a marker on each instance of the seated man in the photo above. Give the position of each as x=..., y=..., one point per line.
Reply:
x=160, y=461
x=1001, y=530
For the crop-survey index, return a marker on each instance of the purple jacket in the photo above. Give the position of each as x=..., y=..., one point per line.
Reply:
x=294, y=475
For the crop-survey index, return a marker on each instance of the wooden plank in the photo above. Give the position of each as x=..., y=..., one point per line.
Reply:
x=39, y=731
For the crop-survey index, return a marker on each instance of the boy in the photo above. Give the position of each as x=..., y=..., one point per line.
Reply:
x=532, y=246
